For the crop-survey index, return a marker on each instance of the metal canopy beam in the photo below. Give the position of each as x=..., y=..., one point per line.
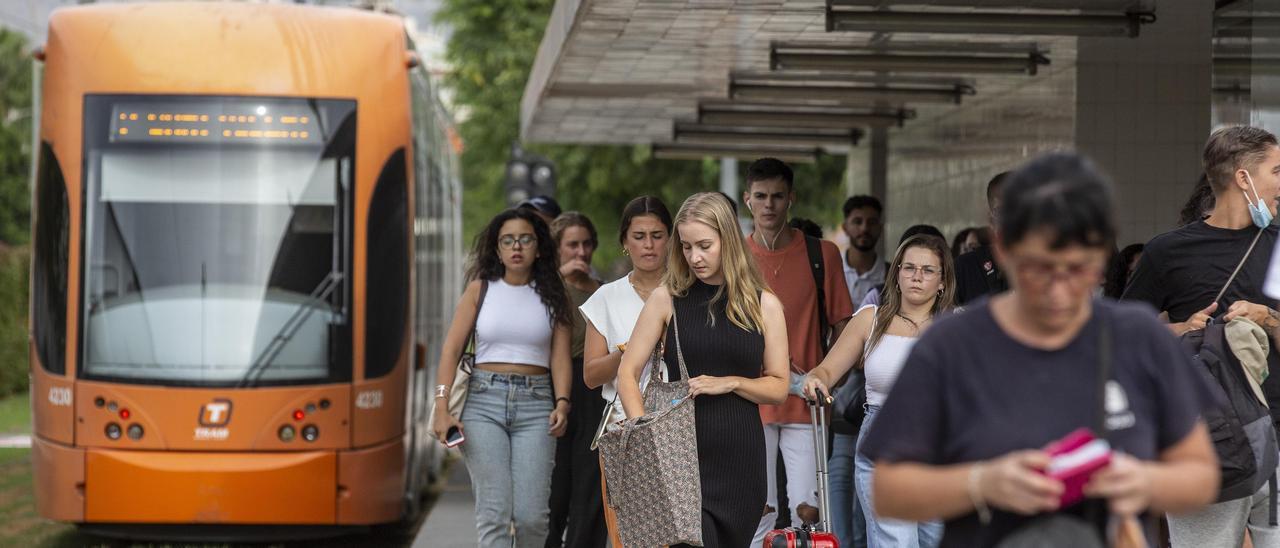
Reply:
x=714, y=135
x=806, y=155
x=882, y=62
x=848, y=95
x=789, y=116
x=978, y=22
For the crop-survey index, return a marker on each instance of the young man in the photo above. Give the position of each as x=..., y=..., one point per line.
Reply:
x=1181, y=272
x=863, y=268
x=977, y=273
x=864, y=272
x=783, y=257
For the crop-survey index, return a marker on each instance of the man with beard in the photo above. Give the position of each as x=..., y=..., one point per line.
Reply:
x=863, y=268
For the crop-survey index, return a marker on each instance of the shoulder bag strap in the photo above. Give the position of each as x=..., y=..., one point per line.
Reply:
x=684, y=372
x=1239, y=266
x=1104, y=373
x=470, y=348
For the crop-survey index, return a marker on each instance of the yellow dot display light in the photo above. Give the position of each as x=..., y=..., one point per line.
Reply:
x=217, y=121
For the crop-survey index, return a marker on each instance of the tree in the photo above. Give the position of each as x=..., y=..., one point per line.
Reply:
x=15, y=138
x=491, y=50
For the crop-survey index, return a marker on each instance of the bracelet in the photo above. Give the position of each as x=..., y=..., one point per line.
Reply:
x=566, y=400
x=975, y=493
x=442, y=391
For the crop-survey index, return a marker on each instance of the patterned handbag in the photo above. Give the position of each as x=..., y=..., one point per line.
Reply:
x=651, y=466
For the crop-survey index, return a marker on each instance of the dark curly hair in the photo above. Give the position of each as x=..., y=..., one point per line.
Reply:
x=486, y=264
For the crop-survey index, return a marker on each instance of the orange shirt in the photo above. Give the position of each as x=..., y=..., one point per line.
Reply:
x=790, y=277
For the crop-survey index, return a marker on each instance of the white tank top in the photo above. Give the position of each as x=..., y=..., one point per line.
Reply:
x=883, y=365
x=513, y=327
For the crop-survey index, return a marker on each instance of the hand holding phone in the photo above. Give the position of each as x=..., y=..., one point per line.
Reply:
x=454, y=437
x=1074, y=459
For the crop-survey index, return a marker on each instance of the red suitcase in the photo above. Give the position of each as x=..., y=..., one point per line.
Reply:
x=818, y=535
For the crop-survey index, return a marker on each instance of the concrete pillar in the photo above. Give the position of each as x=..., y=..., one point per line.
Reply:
x=879, y=164
x=857, y=179
x=879, y=171
x=729, y=177
x=1143, y=110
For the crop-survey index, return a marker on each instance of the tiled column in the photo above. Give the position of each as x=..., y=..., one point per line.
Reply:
x=1143, y=112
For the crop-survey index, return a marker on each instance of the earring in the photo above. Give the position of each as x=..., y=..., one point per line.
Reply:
x=625, y=252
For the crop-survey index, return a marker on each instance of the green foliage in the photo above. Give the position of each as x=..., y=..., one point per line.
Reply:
x=491, y=50
x=15, y=268
x=15, y=138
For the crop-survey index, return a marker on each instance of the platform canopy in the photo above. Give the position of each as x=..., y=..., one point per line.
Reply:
x=734, y=78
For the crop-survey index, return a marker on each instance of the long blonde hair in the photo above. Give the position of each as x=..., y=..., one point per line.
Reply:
x=891, y=301
x=743, y=282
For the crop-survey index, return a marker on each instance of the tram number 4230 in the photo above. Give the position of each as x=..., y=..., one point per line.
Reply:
x=369, y=399
x=60, y=396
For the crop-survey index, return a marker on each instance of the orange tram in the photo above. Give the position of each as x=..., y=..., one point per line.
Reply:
x=245, y=247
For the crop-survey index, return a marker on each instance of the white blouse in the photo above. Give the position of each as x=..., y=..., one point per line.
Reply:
x=613, y=310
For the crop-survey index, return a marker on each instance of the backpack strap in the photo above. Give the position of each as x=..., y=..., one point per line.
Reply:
x=818, y=266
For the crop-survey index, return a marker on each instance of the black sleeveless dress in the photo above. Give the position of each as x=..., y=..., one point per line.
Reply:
x=730, y=436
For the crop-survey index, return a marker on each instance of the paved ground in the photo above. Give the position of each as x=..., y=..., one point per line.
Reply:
x=451, y=523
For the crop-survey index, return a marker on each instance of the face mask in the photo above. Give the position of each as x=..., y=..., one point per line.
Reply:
x=1259, y=212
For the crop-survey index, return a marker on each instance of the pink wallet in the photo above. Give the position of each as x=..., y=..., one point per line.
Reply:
x=1075, y=458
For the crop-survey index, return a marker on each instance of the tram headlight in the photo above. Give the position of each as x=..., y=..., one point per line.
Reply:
x=135, y=431
x=310, y=432
x=286, y=433
x=113, y=431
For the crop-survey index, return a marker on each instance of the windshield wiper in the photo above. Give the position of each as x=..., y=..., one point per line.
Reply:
x=289, y=329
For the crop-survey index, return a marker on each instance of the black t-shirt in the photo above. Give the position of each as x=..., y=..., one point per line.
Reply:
x=969, y=392
x=978, y=275
x=1181, y=271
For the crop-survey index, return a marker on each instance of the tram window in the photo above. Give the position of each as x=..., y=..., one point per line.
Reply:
x=387, y=282
x=215, y=260
x=49, y=280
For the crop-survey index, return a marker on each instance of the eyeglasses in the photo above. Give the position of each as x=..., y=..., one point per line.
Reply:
x=926, y=272
x=525, y=240
x=1042, y=274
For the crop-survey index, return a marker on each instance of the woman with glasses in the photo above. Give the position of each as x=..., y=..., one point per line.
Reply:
x=878, y=340
x=963, y=435
x=518, y=395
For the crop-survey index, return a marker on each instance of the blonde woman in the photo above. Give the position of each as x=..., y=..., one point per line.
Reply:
x=734, y=341
x=918, y=287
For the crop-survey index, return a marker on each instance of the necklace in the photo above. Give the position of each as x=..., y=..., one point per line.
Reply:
x=643, y=293
x=915, y=325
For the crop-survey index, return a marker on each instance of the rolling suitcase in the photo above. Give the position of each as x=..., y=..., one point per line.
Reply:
x=818, y=535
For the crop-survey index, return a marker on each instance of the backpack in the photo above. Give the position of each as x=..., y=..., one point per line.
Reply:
x=1240, y=425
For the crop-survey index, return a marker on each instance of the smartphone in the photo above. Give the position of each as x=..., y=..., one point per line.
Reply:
x=454, y=437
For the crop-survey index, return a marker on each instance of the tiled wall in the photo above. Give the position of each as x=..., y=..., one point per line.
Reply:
x=1143, y=113
x=939, y=164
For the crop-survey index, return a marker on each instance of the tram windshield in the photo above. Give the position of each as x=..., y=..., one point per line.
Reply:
x=217, y=240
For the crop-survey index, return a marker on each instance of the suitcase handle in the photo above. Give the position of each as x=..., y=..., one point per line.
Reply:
x=818, y=418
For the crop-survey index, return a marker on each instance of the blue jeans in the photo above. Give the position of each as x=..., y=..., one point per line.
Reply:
x=847, y=521
x=509, y=454
x=885, y=532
